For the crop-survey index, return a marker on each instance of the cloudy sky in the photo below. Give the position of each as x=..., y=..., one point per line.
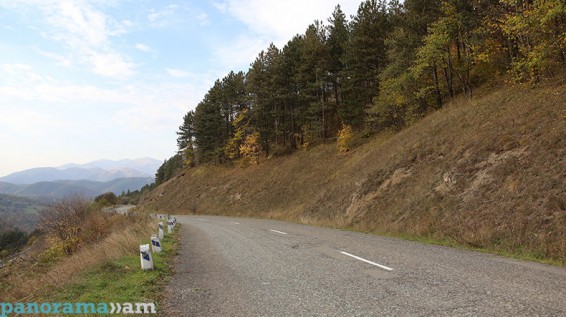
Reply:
x=85, y=80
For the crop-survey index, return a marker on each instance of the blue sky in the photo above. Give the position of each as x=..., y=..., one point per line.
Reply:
x=112, y=79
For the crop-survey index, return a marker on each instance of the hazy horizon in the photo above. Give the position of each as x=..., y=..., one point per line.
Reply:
x=64, y=166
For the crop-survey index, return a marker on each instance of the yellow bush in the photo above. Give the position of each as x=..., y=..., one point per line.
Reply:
x=251, y=148
x=345, y=138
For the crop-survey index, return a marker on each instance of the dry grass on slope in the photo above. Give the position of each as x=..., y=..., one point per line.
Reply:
x=487, y=173
x=36, y=276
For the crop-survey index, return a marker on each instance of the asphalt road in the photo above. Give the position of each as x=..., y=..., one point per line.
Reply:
x=248, y=267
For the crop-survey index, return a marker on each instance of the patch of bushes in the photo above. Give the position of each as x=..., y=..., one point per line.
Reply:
x=74, y=222
x=11, y=241
x=106, y=199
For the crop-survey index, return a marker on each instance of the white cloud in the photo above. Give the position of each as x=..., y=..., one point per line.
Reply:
x=203, y=19
x=142, y=47
x=156, y=107
x=20, y=72
x=159, y=18
x=221, y=6
x=118, y=28
x=111, y=65
x=268, y=21
x=61, y=60
x=79, y=22
x=85, y=33
x=177, y=73
x=240, y=53
x=30, y=122
x=147, y=106
x=281, y=20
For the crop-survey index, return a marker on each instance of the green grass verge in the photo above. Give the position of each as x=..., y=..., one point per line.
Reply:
x=122, y=280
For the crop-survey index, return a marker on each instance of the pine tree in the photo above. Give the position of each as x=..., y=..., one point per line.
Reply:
x=315, y=82
x=233, y=99
x=338, y=37
x=364, y=60
x=288, y=106
x=262, y=92
x=185, y=139
x=209, y=129
x=186, y=131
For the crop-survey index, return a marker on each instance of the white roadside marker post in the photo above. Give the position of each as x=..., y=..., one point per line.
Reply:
x=161, y=233
x=155, y=244
x=145, y=257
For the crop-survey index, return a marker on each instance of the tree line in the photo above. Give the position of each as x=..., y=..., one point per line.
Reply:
x=383, y=68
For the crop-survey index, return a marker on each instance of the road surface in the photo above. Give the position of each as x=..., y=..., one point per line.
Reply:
x=249, y=267
x=121, y=209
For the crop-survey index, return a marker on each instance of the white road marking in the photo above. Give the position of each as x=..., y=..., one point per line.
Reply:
x=281, y=232
x=368, y=261
x=235, y=223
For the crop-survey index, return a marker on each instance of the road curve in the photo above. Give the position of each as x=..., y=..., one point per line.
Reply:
x=249, y=267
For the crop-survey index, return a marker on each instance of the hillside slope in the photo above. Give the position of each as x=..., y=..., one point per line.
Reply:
x=487, y=173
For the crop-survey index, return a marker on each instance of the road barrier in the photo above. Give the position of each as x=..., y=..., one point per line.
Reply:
x=145, y=257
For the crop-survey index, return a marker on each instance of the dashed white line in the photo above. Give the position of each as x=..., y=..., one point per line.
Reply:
x=368, y=261
x=234, y=223
x=281, y=232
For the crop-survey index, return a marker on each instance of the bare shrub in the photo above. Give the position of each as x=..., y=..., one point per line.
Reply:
x=74, y=222
x=64, y=220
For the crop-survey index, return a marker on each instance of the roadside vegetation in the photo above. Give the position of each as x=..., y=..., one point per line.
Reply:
x=120, y=280
x=85, y=254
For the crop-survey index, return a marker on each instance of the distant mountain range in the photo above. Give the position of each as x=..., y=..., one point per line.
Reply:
x=63, y=188
x=89, y=179
x=97, y=171
x=23, y=194
x=146, y=165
